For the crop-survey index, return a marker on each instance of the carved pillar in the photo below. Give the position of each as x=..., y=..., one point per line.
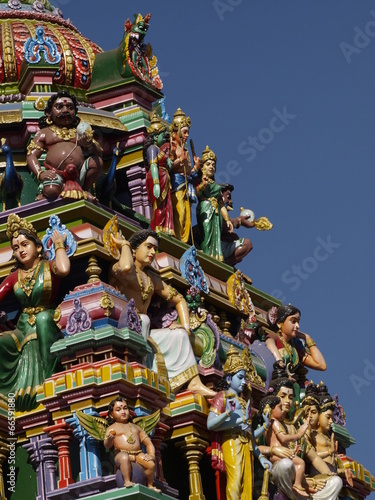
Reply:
x=89, y=449
x=43, y=457
x=194, y=448
x=4, y=450
x=61, y=435
x=157, y=440
x=137, y=187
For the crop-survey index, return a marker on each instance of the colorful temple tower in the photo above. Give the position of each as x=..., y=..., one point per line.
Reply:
x=46, y=452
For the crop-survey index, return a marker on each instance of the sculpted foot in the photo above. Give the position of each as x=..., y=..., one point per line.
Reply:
x=301, y=491
x=155, y=489
x=196, y=386
x=129, y=484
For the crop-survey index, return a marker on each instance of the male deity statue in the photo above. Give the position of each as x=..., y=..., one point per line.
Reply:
x=182, y=173
x=73, y=161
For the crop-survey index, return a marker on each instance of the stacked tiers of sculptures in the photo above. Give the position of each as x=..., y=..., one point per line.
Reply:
x=291, y=435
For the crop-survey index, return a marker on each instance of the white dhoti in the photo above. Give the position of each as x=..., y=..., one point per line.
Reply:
x=174, y=344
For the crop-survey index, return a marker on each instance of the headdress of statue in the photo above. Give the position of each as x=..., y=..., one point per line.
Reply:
x=156, y=125
x=180, y=120
x=235, y=362
x=208, y=154
x=16, y=224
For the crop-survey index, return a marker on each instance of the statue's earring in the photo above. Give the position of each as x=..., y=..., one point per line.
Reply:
x=49, y=121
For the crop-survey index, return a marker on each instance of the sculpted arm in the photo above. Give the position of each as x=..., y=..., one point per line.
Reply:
x=62, y=261
x=146, y=441
x=315, y=359
x=170, y=294
x=34, y=151
x=125, y=264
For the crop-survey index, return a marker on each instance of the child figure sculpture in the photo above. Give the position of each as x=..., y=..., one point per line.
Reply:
x=126, y=439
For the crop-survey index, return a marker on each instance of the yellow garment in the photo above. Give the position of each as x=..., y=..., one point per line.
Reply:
x=181, y=215
x=238, y=459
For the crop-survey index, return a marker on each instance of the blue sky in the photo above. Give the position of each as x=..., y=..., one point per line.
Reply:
x=283, y=92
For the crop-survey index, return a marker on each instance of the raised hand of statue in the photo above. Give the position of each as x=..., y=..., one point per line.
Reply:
x=245, y=222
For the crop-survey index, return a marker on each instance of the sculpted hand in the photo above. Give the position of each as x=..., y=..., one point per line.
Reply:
x=265, y=463
x=57, y=237
x=148, y=458
x=282, y=452
x=118, y=240
x=156, y=190
x=303, y=429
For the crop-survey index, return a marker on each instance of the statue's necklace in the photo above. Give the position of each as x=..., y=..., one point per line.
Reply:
x=27, y=282
x=287, y=346
x=129, y=437
x=66, y=134
x=145, y=290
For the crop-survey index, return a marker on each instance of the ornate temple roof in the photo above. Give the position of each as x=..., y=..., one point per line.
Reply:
x=19, y=21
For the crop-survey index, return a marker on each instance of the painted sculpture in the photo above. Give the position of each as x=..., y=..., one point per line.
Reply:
x=320, y=408
x=132, y=276
x=230, y=415
x=182, y=175
x=158, y=182
x=25, y=357
x=211, y=210
x=285, y=345
x=73, y=161
x=11, y=182
x=290, y=449
x=233, y=247
x=126, y=436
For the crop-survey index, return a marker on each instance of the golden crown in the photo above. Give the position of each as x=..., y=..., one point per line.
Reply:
x=16, y=223
x=156, y=125
x=208, y=154
x=235, y=362
x=180, y=120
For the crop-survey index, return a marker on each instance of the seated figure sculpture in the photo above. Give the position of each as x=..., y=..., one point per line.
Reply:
x=73, y=161
x=230, y=415
x=25, y=356
x=233, y=247
x=132, y=276
x=126, y=438
x=324, y=485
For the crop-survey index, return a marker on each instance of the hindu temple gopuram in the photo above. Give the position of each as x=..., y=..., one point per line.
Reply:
x=135, y=360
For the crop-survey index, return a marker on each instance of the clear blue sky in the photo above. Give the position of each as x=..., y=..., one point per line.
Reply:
x=235, y=66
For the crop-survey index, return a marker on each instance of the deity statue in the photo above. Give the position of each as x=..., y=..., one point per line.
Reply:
x=25, y=353
x=320, y=409
x=158, y=182
x=211, y=209
x=230, y=415
x=127, y=439
x=73, y=161
x=233, y=247
x=182, y=175
x=132, y=276
x=322, y=484
x=285, y=345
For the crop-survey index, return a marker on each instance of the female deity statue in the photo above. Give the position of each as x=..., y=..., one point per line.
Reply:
x=230, y=415
x=211, y=209
x=132, y=276
x=285, y=346
x=25, y=353
x=158, y=182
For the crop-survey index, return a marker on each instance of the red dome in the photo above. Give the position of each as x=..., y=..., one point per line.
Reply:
x=18, y=22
